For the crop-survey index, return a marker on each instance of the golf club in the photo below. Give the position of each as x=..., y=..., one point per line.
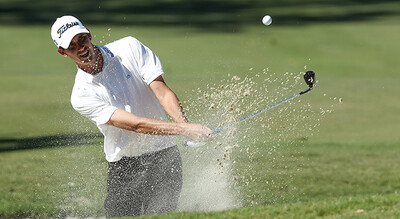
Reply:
x=309, y=78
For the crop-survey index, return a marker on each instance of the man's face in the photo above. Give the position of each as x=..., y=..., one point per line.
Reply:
x=80, y=50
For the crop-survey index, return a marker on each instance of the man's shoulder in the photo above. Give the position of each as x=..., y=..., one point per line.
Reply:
x=127, y=48
x=126, y=41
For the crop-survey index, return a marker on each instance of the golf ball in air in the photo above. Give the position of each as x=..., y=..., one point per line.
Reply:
x=267, y=20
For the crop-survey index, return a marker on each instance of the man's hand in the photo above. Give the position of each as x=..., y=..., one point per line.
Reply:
x=197, y=132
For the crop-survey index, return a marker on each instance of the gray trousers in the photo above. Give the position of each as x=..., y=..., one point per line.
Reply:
x=148, y=184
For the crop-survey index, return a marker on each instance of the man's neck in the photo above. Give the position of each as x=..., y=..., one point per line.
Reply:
x=95, y=66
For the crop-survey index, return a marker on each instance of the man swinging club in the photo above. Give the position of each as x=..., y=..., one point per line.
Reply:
x=120, y=88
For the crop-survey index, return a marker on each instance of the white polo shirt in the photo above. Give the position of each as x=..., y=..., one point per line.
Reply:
x=129, y=68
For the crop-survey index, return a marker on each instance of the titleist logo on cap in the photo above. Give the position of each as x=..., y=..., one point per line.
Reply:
x=65, y=27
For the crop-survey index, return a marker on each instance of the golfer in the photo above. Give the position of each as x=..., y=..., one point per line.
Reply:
x=120, y=88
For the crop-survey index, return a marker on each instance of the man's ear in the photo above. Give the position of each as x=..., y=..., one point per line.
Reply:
x=61, y=51
x=89, y=34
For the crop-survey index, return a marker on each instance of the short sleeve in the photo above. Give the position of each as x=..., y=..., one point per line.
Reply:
x=150, y=66
x=90, y=105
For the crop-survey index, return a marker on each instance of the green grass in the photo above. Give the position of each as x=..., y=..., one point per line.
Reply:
x=318, y=180
x=372, y=206
x=330, y=162
x=347, y=67
x=56, y=181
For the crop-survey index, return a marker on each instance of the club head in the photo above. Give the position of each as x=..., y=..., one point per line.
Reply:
x=309, y=77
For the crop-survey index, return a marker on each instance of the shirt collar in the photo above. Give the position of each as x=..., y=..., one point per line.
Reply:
x=107, y=55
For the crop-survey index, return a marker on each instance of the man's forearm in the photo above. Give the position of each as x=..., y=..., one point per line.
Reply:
x=168, y=100
x=125, y=120
x=173, y=107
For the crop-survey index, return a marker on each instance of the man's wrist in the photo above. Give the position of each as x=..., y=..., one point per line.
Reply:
x=181, y=128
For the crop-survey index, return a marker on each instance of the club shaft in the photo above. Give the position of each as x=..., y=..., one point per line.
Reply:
x=217, y=130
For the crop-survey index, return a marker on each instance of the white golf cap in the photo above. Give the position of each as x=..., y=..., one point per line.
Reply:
x=64, y=29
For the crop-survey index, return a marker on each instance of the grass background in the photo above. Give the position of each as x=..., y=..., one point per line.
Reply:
x=52, y=160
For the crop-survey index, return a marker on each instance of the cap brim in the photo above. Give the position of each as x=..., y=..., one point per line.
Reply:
x=70, y=35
